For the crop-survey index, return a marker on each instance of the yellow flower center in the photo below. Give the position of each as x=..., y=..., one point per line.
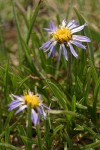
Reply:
x=62, y=35
x=32, y=99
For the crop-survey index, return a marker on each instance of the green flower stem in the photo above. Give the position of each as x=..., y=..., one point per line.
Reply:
x=69, y=69
x=29, y=127
x=39, y=137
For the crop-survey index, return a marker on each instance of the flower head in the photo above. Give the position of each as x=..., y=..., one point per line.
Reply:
x=22, y=102
x=65, y=37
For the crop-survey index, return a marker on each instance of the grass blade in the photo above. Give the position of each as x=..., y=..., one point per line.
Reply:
x=33, y=20
x=87, y=33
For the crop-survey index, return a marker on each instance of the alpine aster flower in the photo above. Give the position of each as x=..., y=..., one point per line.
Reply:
x=65, y=37
x=22, y=102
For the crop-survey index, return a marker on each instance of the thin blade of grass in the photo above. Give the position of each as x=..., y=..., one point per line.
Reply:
x=6, y=83
x=33, y=20
x=6, y=145
x=89, y=146
x=96, y=92
x=69, y=141
x=59, y=94
x=22, y=42
x=48, y=138
x=87, y=33
x=7, y=134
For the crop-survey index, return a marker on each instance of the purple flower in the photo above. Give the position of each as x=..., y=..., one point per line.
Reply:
x=64, y=35
x=22, y=102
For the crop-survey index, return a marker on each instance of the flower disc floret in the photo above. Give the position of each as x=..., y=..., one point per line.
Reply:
x=32, y=99
x=62, y=35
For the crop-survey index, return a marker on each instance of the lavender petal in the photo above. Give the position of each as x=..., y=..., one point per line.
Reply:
x=64, y=23
x=20, y=109
x=72, y=50
x=60, y=51
x=20, y=98
x=65, y=51
x=78, y=28
x=45, y=107
x=74, y=25
x=13, y=103
x=49, y=54
x=81, y=38
x=48, y=30
x=52, y=26
x=41, y=111
x=52, y=48
x=78, y=44
x=34, y=117
x=54, y=51
x=70, y=23
x=15, y=106
x=40, y=97
x=46, y=45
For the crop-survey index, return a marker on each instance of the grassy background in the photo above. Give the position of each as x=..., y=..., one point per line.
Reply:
x=74, y=121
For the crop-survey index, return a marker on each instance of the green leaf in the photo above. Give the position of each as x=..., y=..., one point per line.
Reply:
x=80, y=84
x=60, y=127
x=95, y=35
x=62, y=99
x=7, y=134
x=93, y=145
x=9, y=117
x=94, y=72
x=57, y=112
x=88, y=81
x=23, y=134
x=6, y=145
x=80, y=106
x=73, y=106
x=69, y=141
x=96, y=92
x=94, y=134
